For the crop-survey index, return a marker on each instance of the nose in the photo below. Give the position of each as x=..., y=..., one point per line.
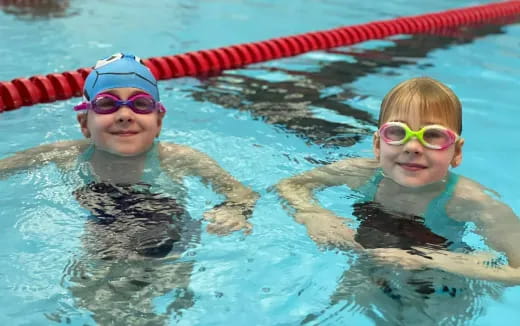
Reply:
x=124, y=114
x=413, y=146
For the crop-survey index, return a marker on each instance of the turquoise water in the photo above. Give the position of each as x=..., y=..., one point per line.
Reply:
x=276, y=119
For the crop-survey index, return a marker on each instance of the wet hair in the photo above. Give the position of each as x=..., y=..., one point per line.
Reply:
x=424, y=96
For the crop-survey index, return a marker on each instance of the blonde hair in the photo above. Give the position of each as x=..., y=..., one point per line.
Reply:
x=424, y=96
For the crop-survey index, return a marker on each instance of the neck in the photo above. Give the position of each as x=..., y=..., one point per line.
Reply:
x=435, y=187
x=411, y=200
x=116, y=169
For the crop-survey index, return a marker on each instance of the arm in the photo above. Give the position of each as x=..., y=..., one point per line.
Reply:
x=495, y=221
x=61, y=153
x=231, y=215
x=323, y=226
x=478, y=265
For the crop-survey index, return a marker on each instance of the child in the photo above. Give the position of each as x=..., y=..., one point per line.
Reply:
x=412, y=210
x=135, y=232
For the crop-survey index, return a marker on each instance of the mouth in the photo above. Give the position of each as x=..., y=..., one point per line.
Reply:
x=124, y=133
x=412, y=166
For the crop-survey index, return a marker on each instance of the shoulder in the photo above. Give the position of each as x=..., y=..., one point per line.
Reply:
x=79, y=145
x=180, y=154
x=59, y=149
x=353, y=172
x=357, y=163
x=467, y=189
x=473, y=201
x=170, y=150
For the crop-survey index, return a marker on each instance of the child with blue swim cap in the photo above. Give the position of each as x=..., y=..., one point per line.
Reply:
x=135, y=233
x=121, y=117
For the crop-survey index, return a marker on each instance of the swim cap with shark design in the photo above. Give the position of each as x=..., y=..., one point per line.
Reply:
x=117, y=71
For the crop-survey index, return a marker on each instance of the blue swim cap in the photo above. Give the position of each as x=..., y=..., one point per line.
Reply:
x=120, y=70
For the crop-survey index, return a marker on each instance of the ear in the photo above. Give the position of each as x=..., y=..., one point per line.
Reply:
x=160, y=116
x=82, y=120
x=457, y=156
x=376, y=145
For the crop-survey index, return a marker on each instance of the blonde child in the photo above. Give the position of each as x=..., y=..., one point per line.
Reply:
x=409, y=222
x=135, y=233
x=419, y=138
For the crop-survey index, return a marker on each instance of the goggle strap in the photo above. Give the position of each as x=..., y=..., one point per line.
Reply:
x=82, y=106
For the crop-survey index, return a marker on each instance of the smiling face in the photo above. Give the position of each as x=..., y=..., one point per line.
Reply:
x=411, y=164
x=418, y=103
x=123, y=132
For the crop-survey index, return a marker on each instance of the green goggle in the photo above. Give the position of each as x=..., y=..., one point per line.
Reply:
x=431, y=136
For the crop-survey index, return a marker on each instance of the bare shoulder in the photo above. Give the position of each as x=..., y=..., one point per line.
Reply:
x=467, y=189
x=52, y=151
x=182, y=156
x=64, y=144
x=73, y=146
x=353, y=172
x=171, y=150
x=355, y=164
x=473, y=201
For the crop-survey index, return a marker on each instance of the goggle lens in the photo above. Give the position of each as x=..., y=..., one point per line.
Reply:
x=144, y=103
x=103, y=104
x=393, y=133
x=437, y=137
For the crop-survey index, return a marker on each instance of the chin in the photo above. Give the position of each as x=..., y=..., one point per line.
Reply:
x=125, y=152
x=414, y=183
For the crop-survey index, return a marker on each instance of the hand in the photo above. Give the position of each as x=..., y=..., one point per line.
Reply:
x=227, y=218
x=327, y=229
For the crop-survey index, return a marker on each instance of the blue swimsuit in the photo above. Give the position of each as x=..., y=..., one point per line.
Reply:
x=382, y=228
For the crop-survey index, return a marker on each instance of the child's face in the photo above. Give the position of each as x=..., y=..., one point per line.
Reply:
x=411, y=164
x=123, y=132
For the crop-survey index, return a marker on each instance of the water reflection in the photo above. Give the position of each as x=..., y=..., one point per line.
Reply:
x=390, y=295
x=290, y=104
x=33, y=10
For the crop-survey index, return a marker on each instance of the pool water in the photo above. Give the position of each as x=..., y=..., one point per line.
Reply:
x=275, y=118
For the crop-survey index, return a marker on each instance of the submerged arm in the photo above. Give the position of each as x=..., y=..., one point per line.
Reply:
x=478, y=265
x=323, y=226
x=495, y=221
x=230, y=215
x=61, y=153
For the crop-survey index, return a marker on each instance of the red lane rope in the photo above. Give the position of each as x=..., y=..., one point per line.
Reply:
x=59, y=86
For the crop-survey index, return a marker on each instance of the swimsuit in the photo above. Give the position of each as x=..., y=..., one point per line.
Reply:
x=134, y=217
x=382, y=228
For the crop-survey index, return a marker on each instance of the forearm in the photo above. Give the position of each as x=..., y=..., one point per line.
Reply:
x=299, y=197
x=483, y=266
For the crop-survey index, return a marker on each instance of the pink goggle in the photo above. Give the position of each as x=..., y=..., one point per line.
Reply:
x=431, y=136
x=106, y=103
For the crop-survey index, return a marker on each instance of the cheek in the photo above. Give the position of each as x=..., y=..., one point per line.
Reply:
x=388, y=152
x=442, y=159
x=154, y=123
x=96, y=124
